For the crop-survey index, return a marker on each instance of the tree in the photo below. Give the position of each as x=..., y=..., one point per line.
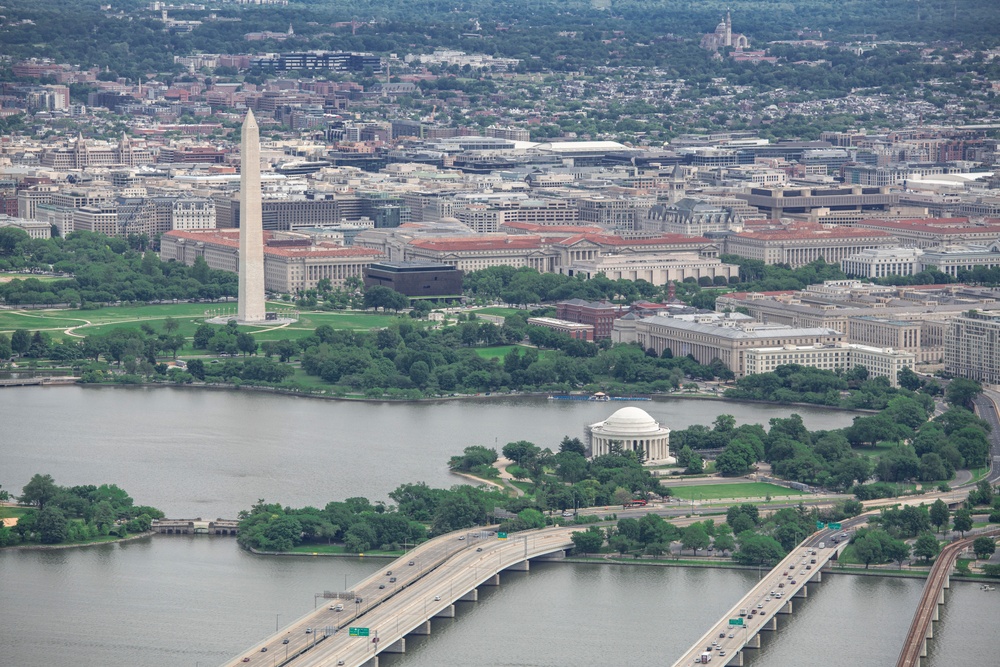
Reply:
x=589, y=541
x=984, y=547
x=940, y=514
x=758, y=549
x=52, y=526
x=724, y=541
x=20, y=341
x=39, y=490
x=521, y=451
x=908, y=379
x=926, y=546
x=572, y=445
x=868, y=549
x=961, y=392
x=962, y=522
x=695, y=537
x=897, y=551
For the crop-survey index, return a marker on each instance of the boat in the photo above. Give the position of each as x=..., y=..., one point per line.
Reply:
x=599, y=396
x=987, y=587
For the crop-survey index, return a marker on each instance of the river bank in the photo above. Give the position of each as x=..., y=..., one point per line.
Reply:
x=76, y=545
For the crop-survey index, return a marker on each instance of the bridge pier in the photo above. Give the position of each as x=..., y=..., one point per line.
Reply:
x=786, y=608
x=818, y=577
x=492, y=581
x=555, y=555
x=422, y=629
x=447, y=612
x=371, y=662
x=736, y=660
x=771, y=625
x=521, y=566
x=398, y=646
x=471, y=596
x=753, y=642
x=803, y=592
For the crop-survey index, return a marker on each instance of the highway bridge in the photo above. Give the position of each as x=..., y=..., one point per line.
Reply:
x=402, y=599
x=739, y=629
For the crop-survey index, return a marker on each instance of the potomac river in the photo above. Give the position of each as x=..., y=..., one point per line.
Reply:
x=196, y=600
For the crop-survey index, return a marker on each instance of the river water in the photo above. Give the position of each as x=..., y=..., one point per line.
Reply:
x=168, y=600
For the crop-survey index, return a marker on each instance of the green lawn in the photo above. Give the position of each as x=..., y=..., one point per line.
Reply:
x=500, y=351
x=8, y=512
x=337, y=549
x=716, y=491
x=188, y=315
x=498, y=310
x=5, y=277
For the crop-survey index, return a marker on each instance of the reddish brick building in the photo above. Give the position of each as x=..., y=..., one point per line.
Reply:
x=598, y=314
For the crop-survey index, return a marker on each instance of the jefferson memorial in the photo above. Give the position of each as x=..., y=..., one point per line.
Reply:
x=635, y=430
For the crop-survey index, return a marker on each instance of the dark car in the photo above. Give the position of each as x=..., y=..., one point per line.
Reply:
x=263, y=649
x=722, y=635
x=286, y=641
x=381, y=586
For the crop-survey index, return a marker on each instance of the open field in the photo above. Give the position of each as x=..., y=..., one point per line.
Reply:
x=498, y=310
x=716, y=491
x=188, y=316
x=7, y=277
x=500, y=351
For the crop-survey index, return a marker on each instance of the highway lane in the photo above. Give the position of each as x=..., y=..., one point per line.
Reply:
x=765, y=600
x=428, y=596
x=425, y=558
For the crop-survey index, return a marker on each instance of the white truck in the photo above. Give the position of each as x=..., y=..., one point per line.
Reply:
x=706, y=657
x=822, y=545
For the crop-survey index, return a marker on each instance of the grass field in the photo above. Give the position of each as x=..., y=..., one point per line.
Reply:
x=338, y=549
x=498, y=310
x=7, y=277
x=500, y=351
x=188, y=315
x=716, y=491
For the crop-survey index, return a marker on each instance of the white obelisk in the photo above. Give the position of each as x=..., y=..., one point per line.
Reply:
x=251, y=297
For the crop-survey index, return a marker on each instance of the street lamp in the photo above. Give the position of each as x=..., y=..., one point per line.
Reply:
x=276, y=622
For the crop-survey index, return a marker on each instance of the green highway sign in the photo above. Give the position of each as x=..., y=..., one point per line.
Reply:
x=357, y=632
x=834, y=526
x=501, y=536
x=736, y=621
x=820, y=525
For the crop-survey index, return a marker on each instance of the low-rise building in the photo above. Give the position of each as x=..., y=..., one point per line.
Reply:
x=292, y=262
x=880, y=361
x=726, y=337
x=36, y=229
x=419, y=280
x=802, y=243
x=571, y=329
x=881, y=262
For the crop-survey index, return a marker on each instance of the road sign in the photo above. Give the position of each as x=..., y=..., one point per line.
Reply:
x=501, y=536
x=820, y=525
x=834, y=526
x=357, y=632
x=736, y=621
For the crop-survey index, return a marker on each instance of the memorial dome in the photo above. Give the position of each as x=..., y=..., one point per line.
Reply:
x=632, y=429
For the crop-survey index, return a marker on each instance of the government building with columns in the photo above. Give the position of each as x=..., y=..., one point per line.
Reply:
x=636, y=431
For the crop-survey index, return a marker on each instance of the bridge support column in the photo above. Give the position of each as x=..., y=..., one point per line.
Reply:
x=937, y=614
x=803, y=592
x=371, y=662
x=923, y=650
x=447, y=612
x=786, y=608
x=736, y=660
x=492, y=581
x=522, y=566
x=818, y=577
x=753, y=642
x=398, y=646
x=555, y=555
x=947, y=581
x=771, y=625
x=941, y=597
x=422, y=629
x=471, y=596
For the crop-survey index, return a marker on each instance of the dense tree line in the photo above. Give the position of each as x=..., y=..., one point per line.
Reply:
x=103, y=269
x=75, y=514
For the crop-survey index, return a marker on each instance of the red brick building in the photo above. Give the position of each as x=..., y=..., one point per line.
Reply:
x=601, y=315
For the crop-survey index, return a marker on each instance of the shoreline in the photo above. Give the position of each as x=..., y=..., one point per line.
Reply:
x=54, y=547
x=438, y=399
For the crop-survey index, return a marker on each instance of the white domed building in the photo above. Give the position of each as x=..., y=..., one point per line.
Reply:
x=636, y=431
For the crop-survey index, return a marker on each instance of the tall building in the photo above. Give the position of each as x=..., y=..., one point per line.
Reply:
x=251, y=284
x=972, y=347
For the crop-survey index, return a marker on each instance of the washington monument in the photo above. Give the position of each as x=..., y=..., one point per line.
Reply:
x=251, y=296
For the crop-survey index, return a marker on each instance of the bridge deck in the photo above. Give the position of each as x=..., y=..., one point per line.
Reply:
x=444, y=570
x=759, y=598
